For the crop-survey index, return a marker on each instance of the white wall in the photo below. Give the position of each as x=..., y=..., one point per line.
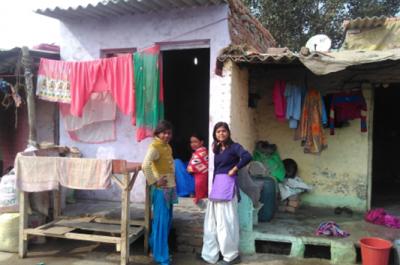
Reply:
x=83, y=40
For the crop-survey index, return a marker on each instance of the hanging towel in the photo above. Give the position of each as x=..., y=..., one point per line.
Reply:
x=38, y=173
x=278, y=97
x=97, y=124
x=149, y=91
x=293, y=104
x=53, y=82
x=310, y=130
x=111, y=74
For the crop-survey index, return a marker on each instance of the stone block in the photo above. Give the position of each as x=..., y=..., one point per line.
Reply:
x=343, y=253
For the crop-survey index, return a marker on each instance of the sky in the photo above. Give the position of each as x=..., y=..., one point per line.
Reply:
x=20, y=26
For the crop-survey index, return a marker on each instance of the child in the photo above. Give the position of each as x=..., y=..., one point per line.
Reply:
x=198, y=166
x=158, y=168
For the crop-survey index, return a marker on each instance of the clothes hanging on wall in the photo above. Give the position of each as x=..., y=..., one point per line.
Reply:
x=97, y=124
x=111, y=74
x=278, y=97
x=347, y=106
x=149, y=91
x=53, y=82
x=293, y=104
x=310, y=130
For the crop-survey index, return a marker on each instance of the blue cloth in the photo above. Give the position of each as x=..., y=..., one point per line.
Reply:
x=184, y=181
x=293, y=104
x=233, y=155
x=160, y=227
x=324, y=115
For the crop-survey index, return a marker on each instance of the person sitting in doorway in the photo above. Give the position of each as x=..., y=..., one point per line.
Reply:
x=198, y=166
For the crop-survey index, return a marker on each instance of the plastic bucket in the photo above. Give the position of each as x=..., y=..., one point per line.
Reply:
x=375, y=251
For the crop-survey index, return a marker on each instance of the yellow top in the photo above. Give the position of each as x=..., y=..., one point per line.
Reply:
x=159, y=162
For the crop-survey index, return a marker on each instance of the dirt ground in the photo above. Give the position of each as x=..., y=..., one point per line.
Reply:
x=68, y=252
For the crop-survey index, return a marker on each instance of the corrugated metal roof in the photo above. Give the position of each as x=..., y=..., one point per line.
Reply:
x=109, y=8
x=367, y=22
x=272, y=56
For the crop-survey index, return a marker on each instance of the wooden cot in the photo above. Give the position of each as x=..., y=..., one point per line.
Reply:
x=94, y=228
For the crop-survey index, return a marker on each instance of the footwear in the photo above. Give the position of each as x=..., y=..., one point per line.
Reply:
x=236, y=260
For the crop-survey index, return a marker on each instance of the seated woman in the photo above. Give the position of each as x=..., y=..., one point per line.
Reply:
x=198, y=166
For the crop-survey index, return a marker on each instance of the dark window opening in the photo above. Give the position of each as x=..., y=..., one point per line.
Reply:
x=320, y=252
x=270, y=247
x=108, y=53
x=186, y=89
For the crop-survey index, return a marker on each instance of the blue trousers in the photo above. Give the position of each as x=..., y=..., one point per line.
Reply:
x=160, y=227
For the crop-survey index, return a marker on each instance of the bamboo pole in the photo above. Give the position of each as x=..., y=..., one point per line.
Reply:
x=30, y=96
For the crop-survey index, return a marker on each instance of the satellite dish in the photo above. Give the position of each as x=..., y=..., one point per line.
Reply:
x=319, y=43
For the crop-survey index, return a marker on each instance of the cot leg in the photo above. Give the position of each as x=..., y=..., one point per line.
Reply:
x=23, y=224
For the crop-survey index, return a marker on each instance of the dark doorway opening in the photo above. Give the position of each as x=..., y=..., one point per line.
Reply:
x=186, y=85
x=386, y=147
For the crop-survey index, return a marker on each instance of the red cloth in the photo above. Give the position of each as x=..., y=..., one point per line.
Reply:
x=279, y=99
x=380, y=217
x=111, y=74
x=198, y=165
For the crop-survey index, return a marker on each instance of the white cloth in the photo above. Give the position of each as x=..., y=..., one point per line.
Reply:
x=221, y=231
x=292, y=186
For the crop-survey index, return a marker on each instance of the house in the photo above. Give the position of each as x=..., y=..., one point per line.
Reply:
x=190, y=34
x=358, y=169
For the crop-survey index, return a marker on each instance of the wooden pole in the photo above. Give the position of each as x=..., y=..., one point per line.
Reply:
x=30, y=96
x=23, y=224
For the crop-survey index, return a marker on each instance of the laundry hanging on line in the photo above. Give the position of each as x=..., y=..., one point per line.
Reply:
x=149, y=91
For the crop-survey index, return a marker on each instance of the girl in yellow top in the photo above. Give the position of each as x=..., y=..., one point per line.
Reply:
x=158, y=167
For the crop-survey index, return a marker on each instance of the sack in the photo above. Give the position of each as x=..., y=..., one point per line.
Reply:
x=9, y=225
x=8, y=193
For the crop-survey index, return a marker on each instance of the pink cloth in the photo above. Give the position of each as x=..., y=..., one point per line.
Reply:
x=53, y=81
x=278, y=97
x=97, y=124
x=380, y=217
x=111, y=74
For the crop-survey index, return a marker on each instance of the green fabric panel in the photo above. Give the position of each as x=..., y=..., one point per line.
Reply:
x=149, y=108
x=272, y=162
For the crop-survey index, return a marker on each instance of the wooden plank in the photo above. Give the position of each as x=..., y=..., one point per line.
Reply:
x=23, y=224
x=98, y=227
x=56, y=204
x=75, y=236
x=58, y=230
x=125, y=216
x=47, y=225
x=133, y=237
x=103, y=220
x=118, y=181
x=66, y=221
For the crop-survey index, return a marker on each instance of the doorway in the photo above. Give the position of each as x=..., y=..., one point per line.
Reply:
x=186, y=90
x=386, y=148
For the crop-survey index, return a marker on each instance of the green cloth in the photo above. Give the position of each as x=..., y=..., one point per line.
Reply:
x=148, y=91
x=272, y=162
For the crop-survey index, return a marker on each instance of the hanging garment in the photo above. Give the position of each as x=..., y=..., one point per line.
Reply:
x=380, y=217
x=97, y=124
x=161, y=226
x=198, y=165
x=114, y=75
x=278, y=97
x=310, y=130
x=53, y=82
x=184, y=181
x=331, y=229
x=221, y=231
x=347, y=106
x=269, y=156
x=149, y=91
x=38, y=173
x=293, y=104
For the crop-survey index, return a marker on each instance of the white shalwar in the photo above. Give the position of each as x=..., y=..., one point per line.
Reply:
x=221, y=231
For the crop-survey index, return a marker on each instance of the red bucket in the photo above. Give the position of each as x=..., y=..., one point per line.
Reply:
x=375, y=251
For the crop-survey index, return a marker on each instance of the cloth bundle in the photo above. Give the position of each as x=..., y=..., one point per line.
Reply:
x=380, y=217
x=331, y=229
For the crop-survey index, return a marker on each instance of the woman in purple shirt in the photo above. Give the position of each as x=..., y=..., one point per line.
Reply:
x=221, y=224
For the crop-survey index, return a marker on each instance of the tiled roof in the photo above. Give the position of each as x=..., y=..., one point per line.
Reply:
x=108, y=8
x=367, y=22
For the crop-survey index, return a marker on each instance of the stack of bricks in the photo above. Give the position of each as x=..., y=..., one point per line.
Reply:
x=290, y=205
x=189, y=235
